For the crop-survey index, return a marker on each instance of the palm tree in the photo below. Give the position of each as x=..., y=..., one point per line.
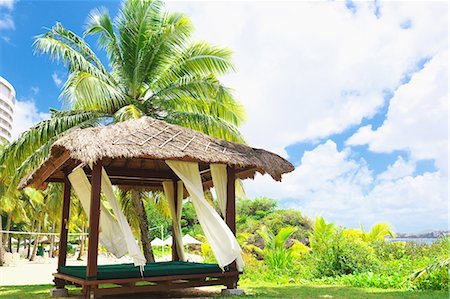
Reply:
x=155, y=69
x=53, y=208
x=129, y=200
x=37, y=212
x=78, y=222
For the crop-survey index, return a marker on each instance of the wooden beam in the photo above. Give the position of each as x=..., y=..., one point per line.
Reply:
x=176, y=277
x=64, y=224
x=175, y=256
x=48, y=169
x=94, y=221
x=157, y=287
x=136, y=173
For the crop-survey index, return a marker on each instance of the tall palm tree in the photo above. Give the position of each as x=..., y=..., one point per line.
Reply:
x=53, y=208
x=155, y=69
x=36, y=210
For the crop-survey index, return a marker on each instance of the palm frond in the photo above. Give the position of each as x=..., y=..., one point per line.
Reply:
x=128, y=112
x=87, y=92
x=99, y=22
x=65, y=46
x=200, y=58
x=136, y=23
x=33, y=145
x=283, y=235
x=167, y=45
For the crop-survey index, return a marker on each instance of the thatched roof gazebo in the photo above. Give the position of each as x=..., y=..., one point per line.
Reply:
x=149, y=154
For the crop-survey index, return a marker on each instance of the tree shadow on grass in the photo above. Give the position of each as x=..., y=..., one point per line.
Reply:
x=286, y=291
x=338, y=292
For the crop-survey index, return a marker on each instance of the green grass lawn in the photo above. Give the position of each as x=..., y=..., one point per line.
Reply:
x=288, y=291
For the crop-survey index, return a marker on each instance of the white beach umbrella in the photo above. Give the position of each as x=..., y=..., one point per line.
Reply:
x=157, y=242
x=189, y=240
x=168, y=241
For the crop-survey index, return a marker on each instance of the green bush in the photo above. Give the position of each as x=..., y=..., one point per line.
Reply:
x=290, y=217
x=387, y=251
x=436, y=280
x=343, y=255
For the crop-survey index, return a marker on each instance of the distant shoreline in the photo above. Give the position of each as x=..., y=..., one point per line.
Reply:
x=420, y=240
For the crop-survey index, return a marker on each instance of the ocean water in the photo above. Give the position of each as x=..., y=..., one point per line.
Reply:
x=415, y=240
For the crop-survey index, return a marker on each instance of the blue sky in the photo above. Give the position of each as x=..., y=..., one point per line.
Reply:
x=354, y=94
x=27, y=71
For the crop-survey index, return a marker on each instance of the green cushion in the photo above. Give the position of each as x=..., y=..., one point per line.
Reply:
x=151, y=269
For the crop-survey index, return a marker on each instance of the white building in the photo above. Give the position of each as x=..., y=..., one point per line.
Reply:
x=7, y=102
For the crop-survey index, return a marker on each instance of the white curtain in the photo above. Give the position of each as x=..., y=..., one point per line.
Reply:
x=222, y=241
x=176, y=214
x=110, y=235
x=219, y=177
x=131, y=244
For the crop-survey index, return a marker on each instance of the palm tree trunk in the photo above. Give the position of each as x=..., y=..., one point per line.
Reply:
x=143, y=226
x=18, y=245
x=1, y=241
x=8, y=227
x=29, y=240
x=33, y=255
x=82, y=242
x=52, y=240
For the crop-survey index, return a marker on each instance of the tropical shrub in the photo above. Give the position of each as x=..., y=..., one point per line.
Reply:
x=389, y=250
x=276, y=255
x=336, y=252
x=207, y=253
x=342, y=255
x=435, y=276
x=278, y=219
x=377, y=232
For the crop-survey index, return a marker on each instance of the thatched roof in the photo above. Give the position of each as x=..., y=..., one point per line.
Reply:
x=144, y=144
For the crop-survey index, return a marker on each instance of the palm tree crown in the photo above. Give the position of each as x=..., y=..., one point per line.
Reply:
x=154, y=69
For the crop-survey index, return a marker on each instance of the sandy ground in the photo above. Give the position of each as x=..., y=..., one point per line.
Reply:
x=40, y=271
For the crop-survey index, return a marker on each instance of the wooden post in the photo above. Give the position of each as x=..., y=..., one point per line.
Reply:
x=230, y=213
x=62, y=256
x=230, y=218
x=94, y=221
x=175, y=256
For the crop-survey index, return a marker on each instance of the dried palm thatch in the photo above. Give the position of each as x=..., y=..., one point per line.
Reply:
x=151, y=139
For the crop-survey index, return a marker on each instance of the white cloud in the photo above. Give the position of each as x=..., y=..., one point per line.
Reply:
x=331, y=183
x=26, y=114
x=397, y=170
x=8, y=4
x=6, y=22
x=35, y=90
x=306, y=70
x=56, y=79
x=417, y=120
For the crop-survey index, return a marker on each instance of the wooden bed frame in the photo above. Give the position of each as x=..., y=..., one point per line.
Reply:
x=90, y=287
x=151, y=284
